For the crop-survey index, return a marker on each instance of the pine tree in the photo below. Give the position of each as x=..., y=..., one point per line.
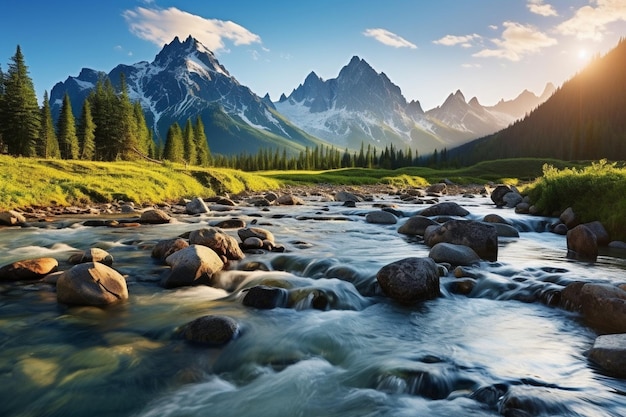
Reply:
x=2, y=80
x=189, y=145
x=174, y=150
x=20, y=124
x=47, y=144
x=86, y=133
x=126, y=138
x=66, y=130
x=202, y=145
x=145, y=144
x=102, y=100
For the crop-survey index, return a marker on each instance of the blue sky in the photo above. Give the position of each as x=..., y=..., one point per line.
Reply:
x=490, y=49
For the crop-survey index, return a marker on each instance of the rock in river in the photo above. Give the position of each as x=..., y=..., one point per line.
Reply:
x=29, y=269
x=410, y=280
x=609, y=352
x=481, y=237
x=193, y=265
x=91, y=284
x=210, y=330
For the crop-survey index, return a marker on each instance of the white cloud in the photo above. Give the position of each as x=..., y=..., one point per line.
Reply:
x=517, y=41
x=452, y=40
x=471, y=65
x=538, y=7
x=493, y=27
x=160, y=26
x=590, y=22
x=389, y=38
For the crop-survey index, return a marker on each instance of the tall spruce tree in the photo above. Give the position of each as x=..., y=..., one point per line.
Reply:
x=86, y=133
x=145, y=144
x=191, y=156
x=66, y=130
x=47, y=144
x=20, y=124
x=2, y=78
x=202, y=145
x=127, y=131
x=174, y=150
x=103, y=101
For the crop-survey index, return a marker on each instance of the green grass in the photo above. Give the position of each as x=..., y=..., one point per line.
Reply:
x=595, y=192
x=32, y=182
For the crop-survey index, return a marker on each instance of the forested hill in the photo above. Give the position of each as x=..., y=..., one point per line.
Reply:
x=584, y=119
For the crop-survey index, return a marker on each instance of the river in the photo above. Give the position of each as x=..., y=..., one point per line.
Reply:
x=501, y=350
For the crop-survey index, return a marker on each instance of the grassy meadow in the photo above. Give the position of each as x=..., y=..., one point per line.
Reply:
x=596, y=191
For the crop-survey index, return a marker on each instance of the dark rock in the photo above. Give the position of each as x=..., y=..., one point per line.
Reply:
x=257, y=232
x=165, y=248
x=30, y=269
x=604, y=306
x=522, y=208
x=602, y=236
x=225, y=201
x=609, y=352
x=410, y=280
x=582, y=244
x=230, y=224
x=571, y=297
x=505, y=230
x=444, y=209
x=438, y=188
x=194, y=265
x=381, y=217
x=497, y=195
x=453, y=254
x=92, y=284
x=481, y=237
x=416, y=225
x=351, y=204
x=252, y=243
x=512, y=199
x=210, y=330
x=463, y=286
x=560, y=229
x=347, y=196
x=494, y=218
x=264, y=297
x=568, y=217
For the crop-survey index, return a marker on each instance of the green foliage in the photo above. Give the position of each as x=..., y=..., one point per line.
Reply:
x=86, y=133
x=189, y=145
x=47, y=143
x=66, y=131
x=202, y=146
x=174, y=149
x=595, y=192
x=20, y=114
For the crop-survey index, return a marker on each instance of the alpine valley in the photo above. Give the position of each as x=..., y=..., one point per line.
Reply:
x=360, y=106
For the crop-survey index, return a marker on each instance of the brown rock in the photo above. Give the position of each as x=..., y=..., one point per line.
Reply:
x=582, y=244
x=93, y=284
x=210, y=330
x=481, y=237
x=30, y=269
x=165, y=248
x=92, y=255
x=154, y=216
x=194, y=265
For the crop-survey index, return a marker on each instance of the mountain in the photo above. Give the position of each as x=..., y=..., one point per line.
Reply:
x=582, y=120
x=363, y=106
x=186, y=80
x=524, y=103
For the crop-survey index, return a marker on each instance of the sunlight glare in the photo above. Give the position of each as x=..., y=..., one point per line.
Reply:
x=583, y=55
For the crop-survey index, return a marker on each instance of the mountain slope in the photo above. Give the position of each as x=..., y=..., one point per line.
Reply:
x=584, y=119
x=363, y=106
x=185, y=80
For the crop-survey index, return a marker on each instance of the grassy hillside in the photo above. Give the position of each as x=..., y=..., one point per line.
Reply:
x=38, y=182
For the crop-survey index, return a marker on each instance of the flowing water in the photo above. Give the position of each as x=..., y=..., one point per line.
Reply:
x=502, y=349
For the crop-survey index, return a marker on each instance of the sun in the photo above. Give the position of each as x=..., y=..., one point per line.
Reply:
x=583, y=55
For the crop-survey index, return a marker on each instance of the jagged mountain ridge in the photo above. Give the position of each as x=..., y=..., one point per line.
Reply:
x=186, y=80
x=361, y=105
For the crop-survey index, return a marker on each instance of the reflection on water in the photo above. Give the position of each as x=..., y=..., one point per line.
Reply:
x=503, y=348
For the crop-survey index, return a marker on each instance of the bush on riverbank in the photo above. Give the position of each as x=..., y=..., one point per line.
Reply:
x=595, y=192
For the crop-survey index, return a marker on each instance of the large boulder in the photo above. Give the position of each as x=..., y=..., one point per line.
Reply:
x=410, y=280
x=29, y=269
x=602, y=236
x=165, y=248
x=512, y=199
x=609, y=352
x=92, y=284
x=604, y=306
x=11, y=218
x=92, y=255
x=193, y=265
x=154, y=216
x=210, y=330
x=481, y=237
x=222, y=243
x=416, y=225
x=568, y=218
x=264, y=297
x=448, y=208
x=453, y=254
x=497, y=195
x=582, y=244
x=381, y=217
x=196, y=206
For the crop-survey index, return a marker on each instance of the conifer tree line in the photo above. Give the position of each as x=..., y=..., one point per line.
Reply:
x=111, y=127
